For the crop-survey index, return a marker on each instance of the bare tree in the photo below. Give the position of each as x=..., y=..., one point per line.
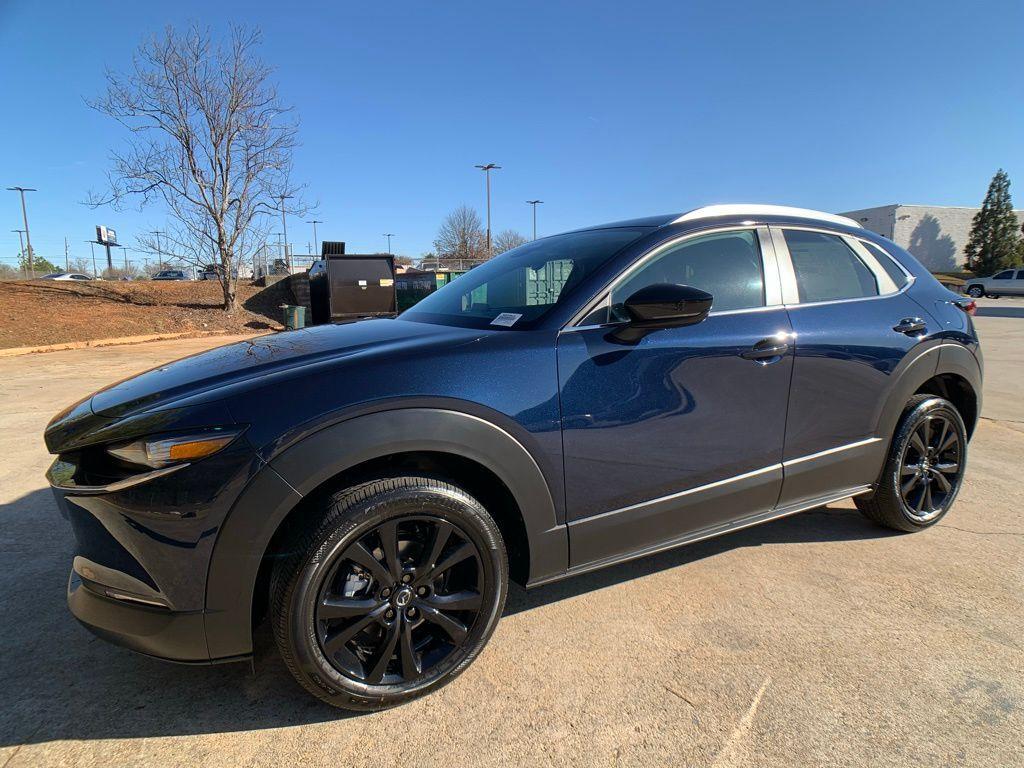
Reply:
x=209, y=138
x=507, y=240
x=461, y=238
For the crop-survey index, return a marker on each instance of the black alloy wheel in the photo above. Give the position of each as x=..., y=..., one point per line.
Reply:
x=390, y=591
x=925, y=468
x=400, y=600
x=930, y=468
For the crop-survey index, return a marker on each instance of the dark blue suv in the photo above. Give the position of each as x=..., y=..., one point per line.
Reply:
x=581, y=400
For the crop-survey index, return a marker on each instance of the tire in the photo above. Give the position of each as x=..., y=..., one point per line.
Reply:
x=918, y=487
x=363, y=630
x=975, y=291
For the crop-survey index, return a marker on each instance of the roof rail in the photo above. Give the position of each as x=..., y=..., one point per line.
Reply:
x=756, y=209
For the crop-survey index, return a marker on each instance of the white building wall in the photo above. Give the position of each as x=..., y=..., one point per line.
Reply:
x=936, y=235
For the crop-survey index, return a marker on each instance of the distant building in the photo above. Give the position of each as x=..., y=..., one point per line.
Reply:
x=935, y=234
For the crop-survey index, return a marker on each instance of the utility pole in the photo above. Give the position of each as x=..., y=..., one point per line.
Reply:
x=124, y=252
x=316, y=243
x=534, y=203
x=24, y=217
x=389, y=235
x=21, y=245
x=67, y=259
x=487, y=172
x=284, y=225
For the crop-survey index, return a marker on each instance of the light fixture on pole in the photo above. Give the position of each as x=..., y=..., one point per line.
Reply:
x=487, y=172
x=316, y=245
x=389, y=235
x=24, y=217
x=534, y=203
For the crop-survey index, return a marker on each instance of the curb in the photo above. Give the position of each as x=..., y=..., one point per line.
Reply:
x=16, y=351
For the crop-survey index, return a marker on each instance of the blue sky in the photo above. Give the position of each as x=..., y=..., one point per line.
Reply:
x=602, y=110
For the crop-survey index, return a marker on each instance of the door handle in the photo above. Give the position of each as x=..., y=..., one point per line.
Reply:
x=910, y=326
x=765, y=349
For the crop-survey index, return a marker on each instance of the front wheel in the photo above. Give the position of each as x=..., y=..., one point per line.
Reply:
x=925, y=468
x=391, y=595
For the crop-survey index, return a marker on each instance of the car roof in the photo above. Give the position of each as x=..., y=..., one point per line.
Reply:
x=734, y=211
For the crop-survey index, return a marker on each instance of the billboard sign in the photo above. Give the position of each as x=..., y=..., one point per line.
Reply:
x=106, y=235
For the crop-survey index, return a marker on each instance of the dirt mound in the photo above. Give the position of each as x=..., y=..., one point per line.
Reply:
x=37, y=312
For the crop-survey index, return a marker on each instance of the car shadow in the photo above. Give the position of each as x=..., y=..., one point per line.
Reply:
x=62, y=683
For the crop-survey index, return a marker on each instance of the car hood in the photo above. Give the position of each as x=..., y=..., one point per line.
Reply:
x=213, y=372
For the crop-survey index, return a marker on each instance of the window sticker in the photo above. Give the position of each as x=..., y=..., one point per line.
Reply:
x=506, y=319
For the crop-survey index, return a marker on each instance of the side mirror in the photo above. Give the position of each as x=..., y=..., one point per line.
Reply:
x=668, y=306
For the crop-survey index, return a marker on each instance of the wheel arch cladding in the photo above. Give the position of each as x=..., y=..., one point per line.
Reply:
x=442, y=441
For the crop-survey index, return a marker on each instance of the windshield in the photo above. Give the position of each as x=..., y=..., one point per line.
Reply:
x=519, y=287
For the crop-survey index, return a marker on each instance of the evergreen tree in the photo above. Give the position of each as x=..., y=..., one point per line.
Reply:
x=995, y=235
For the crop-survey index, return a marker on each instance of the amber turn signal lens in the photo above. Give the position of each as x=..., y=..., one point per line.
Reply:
x=197, y=449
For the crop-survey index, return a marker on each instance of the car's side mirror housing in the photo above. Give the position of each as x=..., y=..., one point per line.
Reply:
x=661, y=306
x=668, y=306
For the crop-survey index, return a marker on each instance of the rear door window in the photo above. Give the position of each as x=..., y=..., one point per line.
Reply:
x=826, y=268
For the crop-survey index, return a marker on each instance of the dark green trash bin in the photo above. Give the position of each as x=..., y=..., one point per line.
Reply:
x=294, y=317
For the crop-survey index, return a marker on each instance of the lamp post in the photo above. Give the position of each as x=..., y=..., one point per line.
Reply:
x=389, y=235
x=487, y=173
x=316, y=246
x=159, y=251
x=24, y=217
x=92, y=247
x=534, y=203
x=21, y=244
x=284, y=225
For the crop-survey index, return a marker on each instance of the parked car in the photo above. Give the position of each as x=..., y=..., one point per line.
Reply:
x=66, y=276
x=170, y=274
x=1008, y=282
x=213, y=272
x=581, y=400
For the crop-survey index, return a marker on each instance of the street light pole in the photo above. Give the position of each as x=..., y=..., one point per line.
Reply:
x=487, y=172
x=21, y=244
x=284, y=225
x=24, y=217
x=314, y=222
x=389, y=235
x=534, y=203
x=92, y=247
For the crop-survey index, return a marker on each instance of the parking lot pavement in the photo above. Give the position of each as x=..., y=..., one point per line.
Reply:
x=814, y=640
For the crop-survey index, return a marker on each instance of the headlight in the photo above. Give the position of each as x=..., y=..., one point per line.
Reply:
x=158, y=452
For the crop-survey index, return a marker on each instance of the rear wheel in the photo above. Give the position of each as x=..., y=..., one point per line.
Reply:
x=975, y=291
x=391, y=595
x=925, y=468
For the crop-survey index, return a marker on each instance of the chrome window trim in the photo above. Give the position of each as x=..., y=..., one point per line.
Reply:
x=885, y=284
x=790, y=292
x=774, y=291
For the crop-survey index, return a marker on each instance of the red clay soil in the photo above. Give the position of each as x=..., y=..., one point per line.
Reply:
x=38, y=312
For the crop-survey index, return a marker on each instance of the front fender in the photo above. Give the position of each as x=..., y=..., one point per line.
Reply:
x=304, y=466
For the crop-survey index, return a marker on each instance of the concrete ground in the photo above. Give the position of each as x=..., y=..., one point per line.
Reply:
x=814, y=640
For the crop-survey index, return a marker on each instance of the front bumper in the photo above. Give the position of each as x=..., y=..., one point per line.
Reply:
x=142, y=553
x=171, y=635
